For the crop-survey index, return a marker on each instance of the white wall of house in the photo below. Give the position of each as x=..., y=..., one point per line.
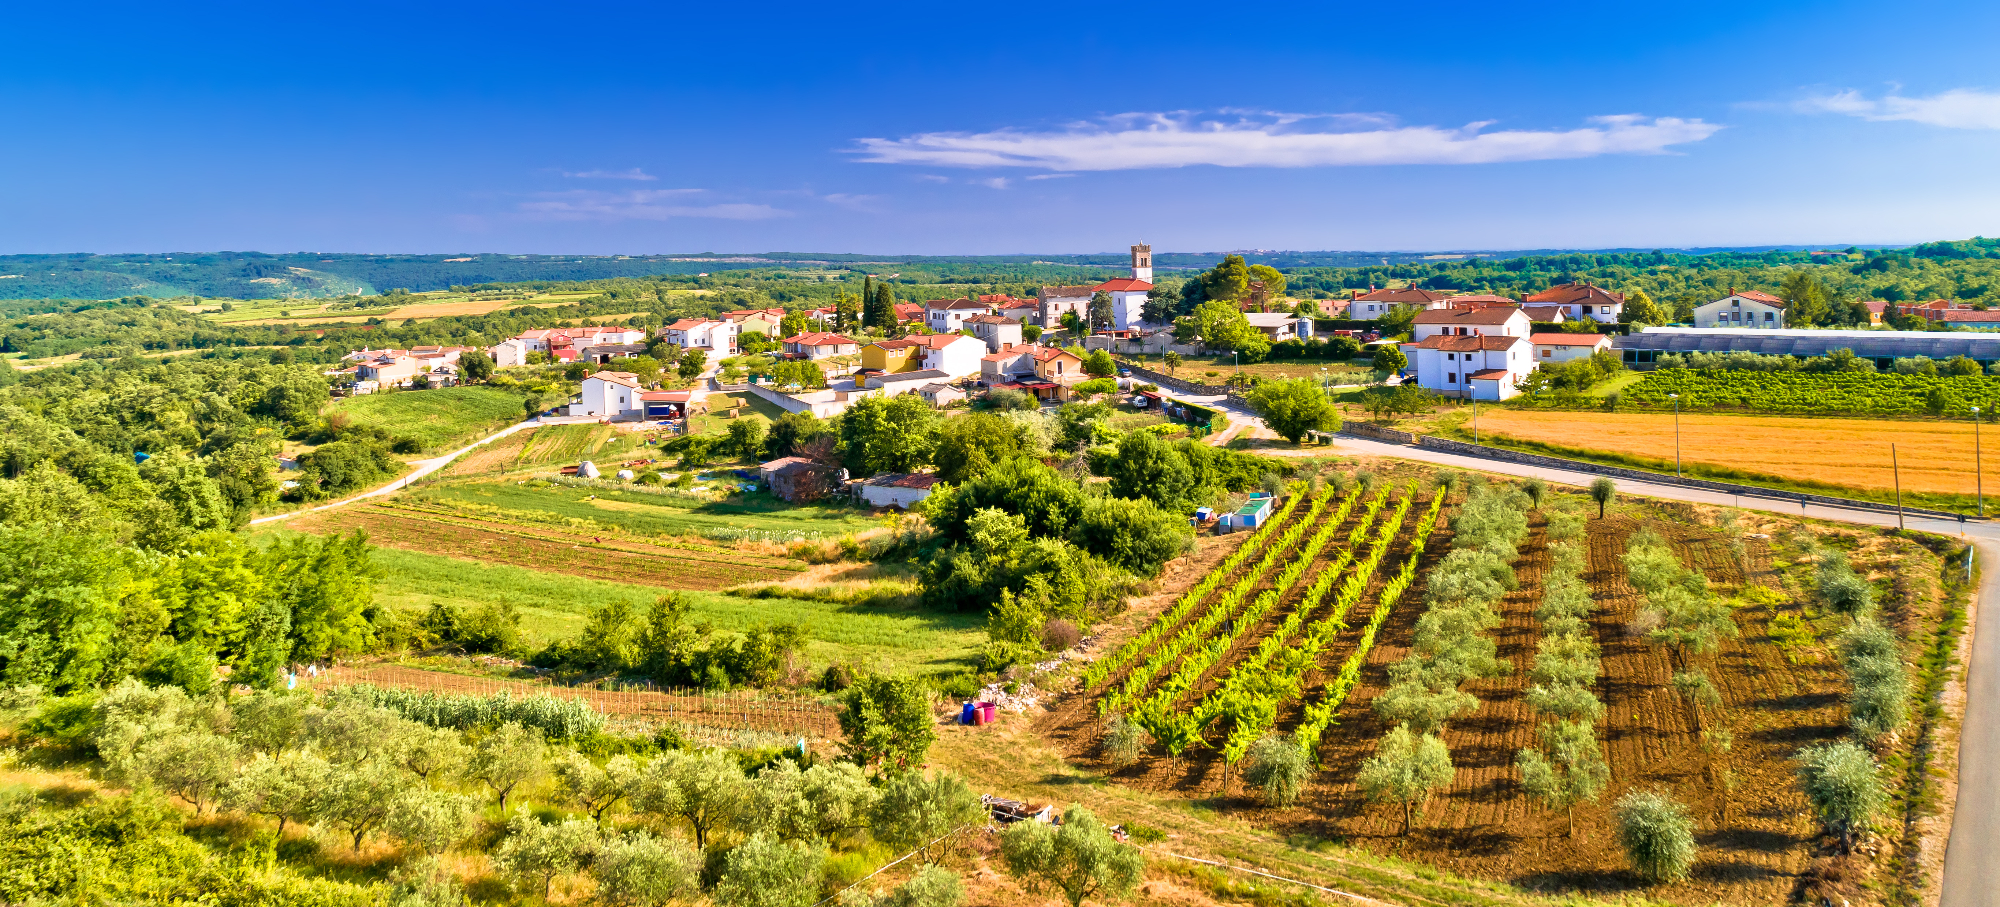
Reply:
x=1738, y=312
x=1546, y=353
x=958, y=358
x=600, y=397
x=1126, y=309
x=892, y=496
x=509, y=353
x=1447, y=371
x=1516, y=325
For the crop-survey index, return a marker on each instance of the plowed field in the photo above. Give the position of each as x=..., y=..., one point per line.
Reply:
x=596, y=557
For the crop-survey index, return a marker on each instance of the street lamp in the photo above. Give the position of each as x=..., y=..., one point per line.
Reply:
x=1475, y=421
x=1978, y=476
x=1236, y=361
x=1677, y=433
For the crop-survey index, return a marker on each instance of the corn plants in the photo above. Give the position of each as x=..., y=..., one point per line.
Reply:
x=556, y=717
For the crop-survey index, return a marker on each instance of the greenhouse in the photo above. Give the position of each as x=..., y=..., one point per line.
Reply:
x=1643, y=349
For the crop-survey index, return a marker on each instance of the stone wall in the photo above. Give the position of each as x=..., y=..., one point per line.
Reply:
x=1378, y=433
x=1165, y=380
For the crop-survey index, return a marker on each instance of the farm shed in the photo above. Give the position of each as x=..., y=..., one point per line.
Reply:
x=799, y=480
x=672, y=404
x=895, y=489
x=1251, y=515
x=1643, y=349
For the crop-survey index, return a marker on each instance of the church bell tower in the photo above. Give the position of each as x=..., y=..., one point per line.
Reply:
x=1142, y=262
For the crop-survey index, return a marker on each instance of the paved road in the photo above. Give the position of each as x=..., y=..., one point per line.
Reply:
x=424, y=468
x=1972, y=857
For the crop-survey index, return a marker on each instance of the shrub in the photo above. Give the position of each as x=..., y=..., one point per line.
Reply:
x=1657, y=835
x=1844, y=785
x=1124, y=741
x=1279, y=768
x=1405, y=769
x=1059, y=635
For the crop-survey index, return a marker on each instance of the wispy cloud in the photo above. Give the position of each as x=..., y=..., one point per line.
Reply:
x=1051, y=176
x=632, y=174
x=642, y=204
x=933, y=178
x=1959, y=108
x=996, y=182
x=1266, y=139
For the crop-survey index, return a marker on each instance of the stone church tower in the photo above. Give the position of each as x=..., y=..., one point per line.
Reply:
x=1142, y=262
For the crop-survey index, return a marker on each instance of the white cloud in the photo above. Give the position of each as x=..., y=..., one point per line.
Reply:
x=1266, y=139
x=1051, y=176
x=933, y=178
x=632, y=174
x=642, y=204
x=997, y=182
x=1959, y=108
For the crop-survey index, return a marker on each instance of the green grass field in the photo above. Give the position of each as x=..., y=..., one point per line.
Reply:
x=650, y=515
x=439, y=419
x=554, y=606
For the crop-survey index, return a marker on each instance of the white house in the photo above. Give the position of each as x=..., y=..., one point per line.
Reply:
x=1376, y=303
x=1472, y=367
x=998, y=331
x=704, y=334
x=1503, y=321
x=1582, y=300
x=1278, y=326
x=941, y=395
x=610, y=395
x=895, y=489
x=1559, y=347
x=1057, y=301
x=904, y=382
x=509, y=353
x=955, y=355
x=1746, y=309
x=821, y=345
x=946, y=316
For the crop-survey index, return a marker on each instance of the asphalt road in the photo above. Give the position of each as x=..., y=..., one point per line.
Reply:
x=1972, y=856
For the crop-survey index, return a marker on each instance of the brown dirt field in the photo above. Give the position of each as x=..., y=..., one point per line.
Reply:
x=1935, y=456
x=458, y=307
x=494, y=457
x=715, y=712
x=605, y=558
x=1754, y=840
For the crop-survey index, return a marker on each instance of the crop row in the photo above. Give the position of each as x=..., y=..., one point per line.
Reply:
x=1815, y=392
x=1105, y=666
x=1171, y=651
x=1254, y=708
x=1158, y=710
x=1320, y=714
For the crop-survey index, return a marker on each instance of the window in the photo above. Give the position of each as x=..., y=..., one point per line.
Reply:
x=1451, y=377
x=1767, y=317
x=1545, y=354
x=1604, y=310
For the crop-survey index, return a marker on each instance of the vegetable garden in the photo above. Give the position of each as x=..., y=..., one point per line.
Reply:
x=1815, y=393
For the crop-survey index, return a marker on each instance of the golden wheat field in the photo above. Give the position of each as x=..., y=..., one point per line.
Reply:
x=1935, y=456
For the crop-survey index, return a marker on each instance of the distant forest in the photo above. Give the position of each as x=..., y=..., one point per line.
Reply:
x=256, y=275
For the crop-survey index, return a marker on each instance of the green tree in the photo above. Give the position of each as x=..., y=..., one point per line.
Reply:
x=762, y=872
x=1227, y=281
x=1172, y=360
x=1220, y=325
x=885, y=308
x=358, y=797
x=1294, y=407
x=1602, y=491
x=814, y=804
x=193, y=765
x=1279, y=768
x=593, y=788
x=639, y=870
x=895, y=435
x=1657, y=835
x=1145, y=466
x=886, y=721
x=507, y=758
x=1640, y=309
x=1844, y=786
x=1078, y=859
x=1102, y=318
x=1389, y=359
x=705, y=789
x=476, y=366
x=1132, y=533
x=1161, y=305
x=1567, y=770
x=287, y=787
x=746, y=437
x=1806, y=300
x=914, y=812
x=930, y=886
x=1272, y=278
x=791, y=431
x=792, y=325
x=535, y=853
x=431, y=821
x=1099, y=364
x=969, y=445
x=692, y=364
x=1405, y=770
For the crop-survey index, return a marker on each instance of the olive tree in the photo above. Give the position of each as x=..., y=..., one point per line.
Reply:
x=639, y=870
x=817, y=803
x=1567, y=770
x=192, y=765
x=287, y=787
x=707, y=790
x=1278, y=766
x=593, y=788
x=1602, y=491
x=534, y=852
x=915, y=812
x=430, y=820
x=358, y=797
x=1844, y=785
x=1078, y=859
x=765, y=872
x=1405, y=770
x=1657, y=835
x=509, y=757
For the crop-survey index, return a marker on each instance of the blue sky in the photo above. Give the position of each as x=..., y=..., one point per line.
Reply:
x=1027, y=127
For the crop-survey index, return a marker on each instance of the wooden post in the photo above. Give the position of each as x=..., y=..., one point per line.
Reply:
x=1897, y=471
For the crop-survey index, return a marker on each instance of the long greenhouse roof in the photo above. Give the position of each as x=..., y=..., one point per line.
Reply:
x=1792, y=342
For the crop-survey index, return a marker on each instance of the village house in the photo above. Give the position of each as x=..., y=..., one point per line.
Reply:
x=1558, y=347
x=1054, y=302
x=820, y=345
x=909, y=312
x=953, y=355
x=1583, y=300
x=998, y=331
x=716, y=337
x=1376, y=303
x=509, y=353
x=895, y=489
x=1473, y=367
x=609, y=395
x=904, y=382
x=945, y=316
x=941, y=395
x=1005, y=306
x=759, y=321
x=1745, y=309
x=1277, y=326
x=1547, y=314
x=671, y=405
x=1471, y=322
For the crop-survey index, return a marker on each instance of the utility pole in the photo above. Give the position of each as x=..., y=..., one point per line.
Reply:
x=1475, y=421
x=1978, y=474
x=1897, y=471
x=1677, y=433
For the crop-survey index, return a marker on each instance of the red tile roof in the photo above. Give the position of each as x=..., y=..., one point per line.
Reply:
x=1483, y=300
x=1572, y=293
x=1123, y=285
x=1066, y=292
x=688, y=324
x=1402, y=294
x=1760, y=296
x=1487, y=315
x=1487, y=373
x=1560, y=339
x=954, y=304
x=1466, y=344
x=819, y=338
x=990, y=319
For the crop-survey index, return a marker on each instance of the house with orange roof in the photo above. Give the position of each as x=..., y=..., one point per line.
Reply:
x=1746, y=309
x=1559, y=346
x=1377, y=303
x=1503, y=321
x=820, y=345
x=1583, y=299
x=761, y=321
x=707, y=334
